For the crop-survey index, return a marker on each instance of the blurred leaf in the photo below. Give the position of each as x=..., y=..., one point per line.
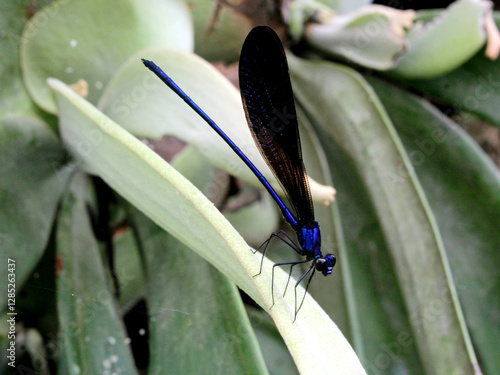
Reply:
x=14, y=98
x=298, y=13
x=174, y=296
x=372, y=36
x=255, y=221
x=276, y=355
x=330, y=291
x=407, y=222
x=4, y=341
x=94, y=338
x=29, y=192
x=144, y=179
x=336, y=13
x=153, y=110
x=129, y=269
x=440, y=46
x=89, y=40
x=377, y=322
x=197, y=320
x=36, y=300
x=345, y=6
x=219, y=32
x=202, y=174
x=474, y=87
x=463, y=188
x=63, y=365
x=364, y=290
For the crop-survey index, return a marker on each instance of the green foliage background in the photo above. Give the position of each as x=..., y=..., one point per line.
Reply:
x=414, y=226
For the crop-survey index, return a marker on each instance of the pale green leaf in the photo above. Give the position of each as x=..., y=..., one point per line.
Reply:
x=154, y=187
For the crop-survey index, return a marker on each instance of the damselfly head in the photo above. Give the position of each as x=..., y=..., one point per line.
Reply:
x=325, y=264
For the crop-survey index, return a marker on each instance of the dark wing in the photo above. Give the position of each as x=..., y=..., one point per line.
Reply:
x=270, y=110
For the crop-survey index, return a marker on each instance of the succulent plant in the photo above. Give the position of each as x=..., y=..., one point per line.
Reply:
x=93, y=219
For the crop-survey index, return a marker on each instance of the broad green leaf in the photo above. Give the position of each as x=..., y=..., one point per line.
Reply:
x=141, y=103
x=446, y=42
x=377, y=322
x=32, y=178
x=463, y=188
x=94, y=338
x=364, y=289
x=76, y=39
x=372, y=36
x=155, y=188
x=352, y=116
x=197, y=321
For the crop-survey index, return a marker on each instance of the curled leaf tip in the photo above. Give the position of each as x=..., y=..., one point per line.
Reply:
x=81, y=87
x=399, y=20
x=322, y=193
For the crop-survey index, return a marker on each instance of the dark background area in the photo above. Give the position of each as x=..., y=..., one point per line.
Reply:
x=414, y=4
